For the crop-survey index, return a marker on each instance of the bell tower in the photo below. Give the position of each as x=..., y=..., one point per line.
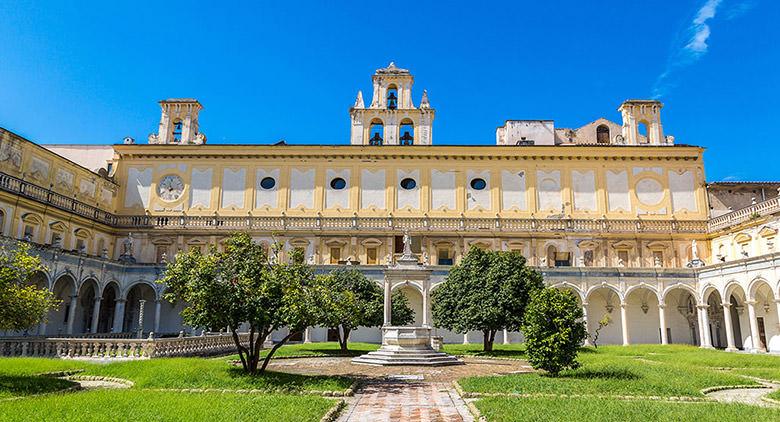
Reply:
x=642, y=123
x=178, y=122
x=391, y=118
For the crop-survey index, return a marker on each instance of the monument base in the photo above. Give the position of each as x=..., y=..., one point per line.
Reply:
x=406, y=346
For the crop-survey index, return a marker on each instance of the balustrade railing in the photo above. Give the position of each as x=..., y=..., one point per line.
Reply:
x=758, y=210
x=118, y=348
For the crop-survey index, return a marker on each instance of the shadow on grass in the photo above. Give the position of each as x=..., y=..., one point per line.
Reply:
x=25, y=385
x=282, y=381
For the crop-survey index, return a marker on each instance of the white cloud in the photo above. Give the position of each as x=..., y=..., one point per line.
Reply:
x=692, y=43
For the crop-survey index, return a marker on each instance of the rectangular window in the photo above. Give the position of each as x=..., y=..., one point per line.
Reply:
x=444, y=257
x=160, y=252
x=658, y=258
x=81, y=246
x=29, y=232
x=335, y=255
x=623, y=258
x=562, y=259
x=371, y=256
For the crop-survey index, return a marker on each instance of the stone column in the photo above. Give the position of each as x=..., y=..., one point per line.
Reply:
x=506, y=336
x=624, y=323
x=662, y=322
x=119, y=316
x=466, y=338
x=141, y=305
x=425, y=322
x=729, y=328
x=307, y=335
x=72, y=313
x=754, y=327
x=701, y=326
x=587, y=324
x=705, y=324
x=157, y=308
x=95, y=316
x=388, y=304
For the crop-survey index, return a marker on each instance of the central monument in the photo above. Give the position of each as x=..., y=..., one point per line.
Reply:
x=407, y=345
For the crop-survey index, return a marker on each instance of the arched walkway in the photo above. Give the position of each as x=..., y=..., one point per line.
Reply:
x=643, y=316
x=140, y=295
x=715, y=321
x=681, y=317
x=60, y=318
x=766, y=309
x=604, y=304
x=108, y=304
x=85, y=307
x=170, y=317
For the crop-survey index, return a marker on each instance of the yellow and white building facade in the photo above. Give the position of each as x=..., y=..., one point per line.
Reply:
x=618, y=213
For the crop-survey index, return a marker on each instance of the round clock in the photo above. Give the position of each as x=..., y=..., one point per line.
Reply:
x=170, y=188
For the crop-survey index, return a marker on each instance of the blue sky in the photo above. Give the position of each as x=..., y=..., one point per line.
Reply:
x=92, y=72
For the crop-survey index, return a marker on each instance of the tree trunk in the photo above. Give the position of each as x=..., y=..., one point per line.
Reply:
x=487, y=341
x=241, y=349
x=273, y=350
x=343, y=338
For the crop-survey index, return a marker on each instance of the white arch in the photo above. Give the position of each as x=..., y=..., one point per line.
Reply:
x=701, y=298
x=753, y=286
x=126, y=291
x=678, y=285
x=604, y=285
x=646, y=286
x=731, y=287
x=402, y=284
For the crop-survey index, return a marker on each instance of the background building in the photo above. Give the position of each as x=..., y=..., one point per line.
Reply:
x=617, y=213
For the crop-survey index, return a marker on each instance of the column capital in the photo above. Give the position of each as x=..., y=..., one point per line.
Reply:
x=661, y=305
x=120, y=300
x=623, y=305
x=703, y=306
x=750, y=302
x=586, y=303
x=726, y=305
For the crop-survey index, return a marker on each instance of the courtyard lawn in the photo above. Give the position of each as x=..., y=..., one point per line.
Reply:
x=514, y=350
x=506, y=409
x=320, y=349
x=144, y=405
x=634, y=370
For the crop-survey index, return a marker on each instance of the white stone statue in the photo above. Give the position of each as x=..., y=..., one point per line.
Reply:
x=359, y=100
x=127, y=245
x=694, y=251
x=407, y=244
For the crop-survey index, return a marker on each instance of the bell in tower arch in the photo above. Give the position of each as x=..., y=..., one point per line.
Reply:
x=392, y=101
x=376, y=139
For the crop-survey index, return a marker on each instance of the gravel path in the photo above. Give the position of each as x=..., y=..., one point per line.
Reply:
x=750, y=396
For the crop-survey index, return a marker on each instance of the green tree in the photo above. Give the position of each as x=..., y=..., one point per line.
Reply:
x=351, y=300
x=487, y=291
x=553, y=330
x=22, y=304
x=400, y=312
x=243, y=285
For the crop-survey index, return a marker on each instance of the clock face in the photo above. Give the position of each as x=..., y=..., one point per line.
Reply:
x=170, y=188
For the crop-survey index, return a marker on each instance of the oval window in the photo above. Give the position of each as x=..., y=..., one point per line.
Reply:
x=338, y=183
x=268, y=183
x=478, y=184
x=408, y=183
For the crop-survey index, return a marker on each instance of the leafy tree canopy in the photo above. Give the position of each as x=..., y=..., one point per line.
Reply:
x=487, y=291
x=22, y=304
x=244, y=285
x=553, y=330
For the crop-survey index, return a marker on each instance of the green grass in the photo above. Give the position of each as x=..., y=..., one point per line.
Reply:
x=618, y=370
x=142, y=405
x=515, y=350
x=19, y=376
x=320, y=349
x=505, y=409
x=211, y=373
x=775, y=395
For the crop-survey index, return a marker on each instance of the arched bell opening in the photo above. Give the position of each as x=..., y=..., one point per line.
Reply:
x=376, y=132
x=406, y=132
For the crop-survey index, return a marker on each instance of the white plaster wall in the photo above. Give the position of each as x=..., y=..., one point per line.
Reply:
x=643, y=328
x=442, y=189
x=649, y=191
x=584, y=186
x=548, y=186
x=233, y=185
x=657, y=170
x=200, y=191
x=612, y=333
x=139, y=182
x=683, y=191
x=372, y=189
x=513, y=190
x=408, y=198
x=267, y=197
x=302, y=188
x=337, y=198
x=617, y=191
x=476, y=199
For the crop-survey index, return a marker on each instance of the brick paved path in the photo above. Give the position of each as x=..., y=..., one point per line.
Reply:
x=407, y=401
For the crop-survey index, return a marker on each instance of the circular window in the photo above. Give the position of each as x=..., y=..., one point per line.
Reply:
x=408, y=183
x=338, y=183
x=649, y=191
x=268, y=183
x=478, y=184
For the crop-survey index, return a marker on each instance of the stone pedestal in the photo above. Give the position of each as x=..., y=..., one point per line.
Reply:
x=407, y=346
